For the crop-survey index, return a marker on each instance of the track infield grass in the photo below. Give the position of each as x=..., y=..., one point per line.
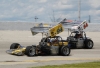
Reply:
x=76, y=65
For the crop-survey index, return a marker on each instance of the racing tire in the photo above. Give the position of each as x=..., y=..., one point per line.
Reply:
x=14, y=46
x=65, y=51
x=89, y=44
x=30, y=51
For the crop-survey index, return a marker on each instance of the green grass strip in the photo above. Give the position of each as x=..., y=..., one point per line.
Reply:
x=77, y=65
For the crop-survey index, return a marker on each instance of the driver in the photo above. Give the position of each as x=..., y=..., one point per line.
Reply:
x=52, y=41
x=77, y=35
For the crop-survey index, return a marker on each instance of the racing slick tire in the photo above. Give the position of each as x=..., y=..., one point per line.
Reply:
x=30, y=51
x=65, y=51
x=89, y=44
x=14, y=46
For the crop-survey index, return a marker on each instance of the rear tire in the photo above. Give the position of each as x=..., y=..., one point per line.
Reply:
x=89, y=44
x=65, y=51
x=30, y=51
x=14, y=46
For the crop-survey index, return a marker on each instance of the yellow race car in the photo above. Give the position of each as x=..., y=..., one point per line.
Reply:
x=47, y=46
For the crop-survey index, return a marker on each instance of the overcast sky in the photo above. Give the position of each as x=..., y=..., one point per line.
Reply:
x=26, y=10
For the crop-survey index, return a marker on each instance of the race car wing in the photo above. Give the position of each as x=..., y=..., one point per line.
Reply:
x=74, y=25
x=40, y=28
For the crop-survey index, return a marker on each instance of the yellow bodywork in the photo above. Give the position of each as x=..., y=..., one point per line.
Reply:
x=57, y=44
x=18, y=51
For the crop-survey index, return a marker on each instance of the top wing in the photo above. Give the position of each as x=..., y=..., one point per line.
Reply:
x=74, y=25
x=40, y=28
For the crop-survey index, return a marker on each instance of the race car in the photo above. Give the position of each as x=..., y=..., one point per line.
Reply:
x=77, y=37
x=77, y=40
x=49, y=45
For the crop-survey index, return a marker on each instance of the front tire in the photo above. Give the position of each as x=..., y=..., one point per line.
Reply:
x=89, y=44
x=14, y=46
x=65, y=51
x=30, y=51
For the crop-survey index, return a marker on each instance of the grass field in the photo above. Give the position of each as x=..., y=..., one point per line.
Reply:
x=78, y=65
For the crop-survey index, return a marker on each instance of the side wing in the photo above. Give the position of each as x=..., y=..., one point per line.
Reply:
x=56, y=30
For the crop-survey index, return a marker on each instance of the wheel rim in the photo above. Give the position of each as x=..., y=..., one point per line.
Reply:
x=66, y=51
x=90, y=44
x=32, y=51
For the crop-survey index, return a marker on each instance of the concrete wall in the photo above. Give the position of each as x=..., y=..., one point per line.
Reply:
x=27, y=25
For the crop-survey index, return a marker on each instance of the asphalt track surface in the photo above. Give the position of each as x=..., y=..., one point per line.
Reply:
x=76, y=56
